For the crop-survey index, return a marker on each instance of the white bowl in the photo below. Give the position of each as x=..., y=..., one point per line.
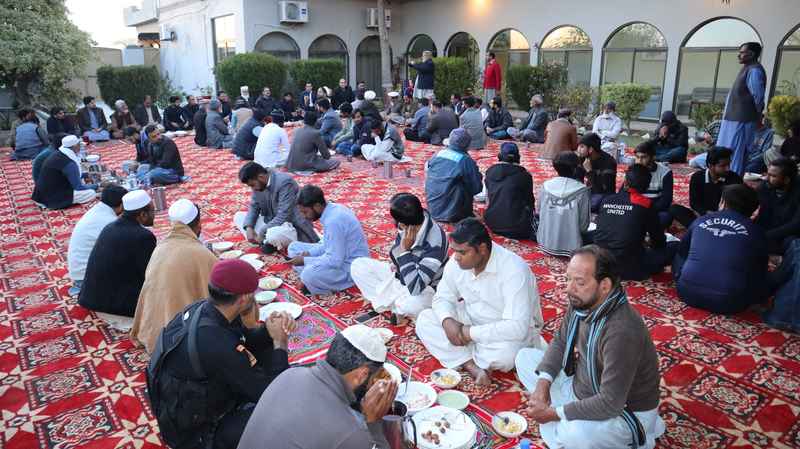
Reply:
x=221, y=246
x=235, y=254
x=516, y=418
x=394, y=372
x=169, y=134
x=418, y=397
x=92, y=158
x=440, y=378
x=265, y=297
x=249, y=257
x=269, y=283
x=181, y=133
x=453, y=399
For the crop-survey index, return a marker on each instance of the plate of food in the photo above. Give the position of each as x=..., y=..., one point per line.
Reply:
x=443, y=427
x=269, y=283
x=266, y=297
x=418, y=397
x=445, y=378
x=291, y=308
x=509, y=424
x=235, y=254
x=92, y=158
x=453, y=399
x=255, y=263
x=221, y=246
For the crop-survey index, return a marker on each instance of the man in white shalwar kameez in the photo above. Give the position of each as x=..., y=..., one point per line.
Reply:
x=608, y=126
x=486, y=307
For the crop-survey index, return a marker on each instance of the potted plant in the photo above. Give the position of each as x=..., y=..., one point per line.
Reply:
x=206, y=92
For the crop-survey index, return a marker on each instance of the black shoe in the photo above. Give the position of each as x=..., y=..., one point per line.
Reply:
x=266, y=248
x=305, y=291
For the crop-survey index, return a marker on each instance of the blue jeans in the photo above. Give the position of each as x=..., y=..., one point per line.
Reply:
x=76, y=288
x=501, y=134
x=666, y=154
x=786, y=312
x=345, y=148
x=157, y=175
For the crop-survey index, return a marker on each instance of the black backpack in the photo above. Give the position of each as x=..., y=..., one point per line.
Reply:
x=181, y=405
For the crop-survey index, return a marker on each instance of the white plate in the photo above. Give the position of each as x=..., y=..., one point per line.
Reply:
x=255, y=263
x=592, y=227
x=513, y=417
x=249, y=256
x=170, y=134
x=418, y=397
x=460, y=435
x=293, y=309
x=386, y=334
x=235, y=254
x=453, y=399
x=394, y=372
x=221, y=246
x=181, y=133
x=265, y=297
x=269, y=283
x=438, y=376
x=92, y=158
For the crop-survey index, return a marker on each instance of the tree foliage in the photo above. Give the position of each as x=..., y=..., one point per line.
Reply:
x=577, y=98
x=452, y=76
x=41, y=51
x=525, y=81
x=631, y=98
x=129, y=83
x=703, y=114
x=783, y=111
x=318, y=72
x=254, y=70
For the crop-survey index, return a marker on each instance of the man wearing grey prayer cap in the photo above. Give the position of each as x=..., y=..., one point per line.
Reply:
x=217, y=133
x=452, y=180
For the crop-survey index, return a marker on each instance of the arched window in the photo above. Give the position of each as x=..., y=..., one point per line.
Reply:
x=418, y=44
x=787, y=80
x=571, y=47
x=637, y=53
x=330, y=47
x=463, y=45
x=368, y=63
x=709, y=63
x=280, y=45
x=510, y=47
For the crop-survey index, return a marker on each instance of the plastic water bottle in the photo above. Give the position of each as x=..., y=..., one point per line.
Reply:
x=525, y=443
x=82, y=151
x=131, y=182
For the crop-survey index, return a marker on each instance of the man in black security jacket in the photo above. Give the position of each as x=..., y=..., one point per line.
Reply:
x=204, y=379
x=624, y=219
x=779, y=198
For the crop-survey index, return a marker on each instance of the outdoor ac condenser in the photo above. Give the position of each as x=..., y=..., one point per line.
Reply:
x=293, y=12
x=372, y=18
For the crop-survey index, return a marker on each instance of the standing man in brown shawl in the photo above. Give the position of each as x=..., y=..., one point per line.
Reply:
x=176, y=276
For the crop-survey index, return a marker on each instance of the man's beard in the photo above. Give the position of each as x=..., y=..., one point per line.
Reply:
x=583, y=305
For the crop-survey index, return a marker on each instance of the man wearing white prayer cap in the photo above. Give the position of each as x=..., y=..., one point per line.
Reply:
x=115, y=271
x=176, y=276
x=352, y=373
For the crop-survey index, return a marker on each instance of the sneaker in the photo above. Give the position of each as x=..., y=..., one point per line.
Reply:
x=186, y=178
x=305, y=291
x=266, y=248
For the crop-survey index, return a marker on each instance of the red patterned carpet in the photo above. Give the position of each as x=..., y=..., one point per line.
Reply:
x=68, y=381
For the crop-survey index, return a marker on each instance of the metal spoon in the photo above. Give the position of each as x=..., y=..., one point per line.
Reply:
x=408, y=379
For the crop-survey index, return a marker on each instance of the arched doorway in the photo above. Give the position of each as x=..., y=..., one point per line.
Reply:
x=787, y=79
x=463, y=45
x=571, y=47
x=637, y=53
x=418, y=44
x=368, y=63
x=510, y=48
x=280, y=45
x=330, y=47
x=709, y=62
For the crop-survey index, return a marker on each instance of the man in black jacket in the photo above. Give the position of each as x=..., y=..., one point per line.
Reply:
x=116, y=267
x=442, y=122
x=672, y=139
x=165, y=165
x=499, y=120
x=423, y=85
x=779, y=197
x=244, y=142
x=342, y=94
x=624, y=219
x=174, y=118
x=147, y=113
x=200, y=123
x=597, y=168
x=190, y=110
x=265, y=102
x=509, y=189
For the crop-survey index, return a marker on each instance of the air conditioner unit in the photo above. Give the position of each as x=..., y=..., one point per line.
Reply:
x=166, y=33
x=372, y=18
x=293, y=12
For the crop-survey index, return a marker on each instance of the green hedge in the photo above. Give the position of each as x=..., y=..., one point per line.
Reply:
x=318, y=72
x=254, y=70
x=129, y=83
x=783, y=110
x=525, y=81
x=631, y=98
x=452, y=76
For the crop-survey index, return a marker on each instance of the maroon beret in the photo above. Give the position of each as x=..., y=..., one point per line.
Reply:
x=235, y=276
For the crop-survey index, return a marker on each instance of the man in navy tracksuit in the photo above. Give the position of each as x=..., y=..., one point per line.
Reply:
x=721, y=265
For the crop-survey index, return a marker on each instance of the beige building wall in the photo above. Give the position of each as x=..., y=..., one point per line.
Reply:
x=102, y=56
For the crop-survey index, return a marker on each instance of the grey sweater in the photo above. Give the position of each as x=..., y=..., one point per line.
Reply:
x=563, y=215
x=627, y=363
x=309, y=408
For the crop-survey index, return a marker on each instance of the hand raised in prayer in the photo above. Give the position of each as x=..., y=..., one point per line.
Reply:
x=663, y=132
x=378, y=400
x=587, y=164
x=452, y=329
x=409, y=236
x=277, y=329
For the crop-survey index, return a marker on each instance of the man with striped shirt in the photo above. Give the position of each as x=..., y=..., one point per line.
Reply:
x=406, y=285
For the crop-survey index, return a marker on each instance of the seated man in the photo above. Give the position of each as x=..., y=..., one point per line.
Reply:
x=486, y=307
x=117, y=263
x=608, y=126
x=342, y=94
x=417, y=130
x=30, y=137
x=272, y=220
x=340, y=394
x=59, y=123
x=368, y=107
x=597, y=384
x=564, y=209
x=671, y=140
x=779, y=198
x=442, y=122
x=272, y=145
x=325, y=267
x=242, y=112
x=532, y=129
x=597, y=167
x=164, y=165
x=452, y=180
x=189, y=110
x=705, y=187
x=289, y=108
x=59, y=184
x=624, y=219
x=246, y=139
x=122, y=120
x=146, y=113
x=88, y=229
x=407, y=284
x=38, y=161
x=330, y=123
x=200, y=133
x=401, y=110
x=721, y=264
x=213, y=361
x=308, y=98
x=92, y=121
x=762, y=142
x=498, y=121
x=174, y=117
x=660, y=189
x=176, y=276
x=472, y=121
x=343, y=140
x=217, y=133
x=308, y=151
x=708, y=140
x=509, y=188
x=560, y=135
x=386, y=144
x=785, y=313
